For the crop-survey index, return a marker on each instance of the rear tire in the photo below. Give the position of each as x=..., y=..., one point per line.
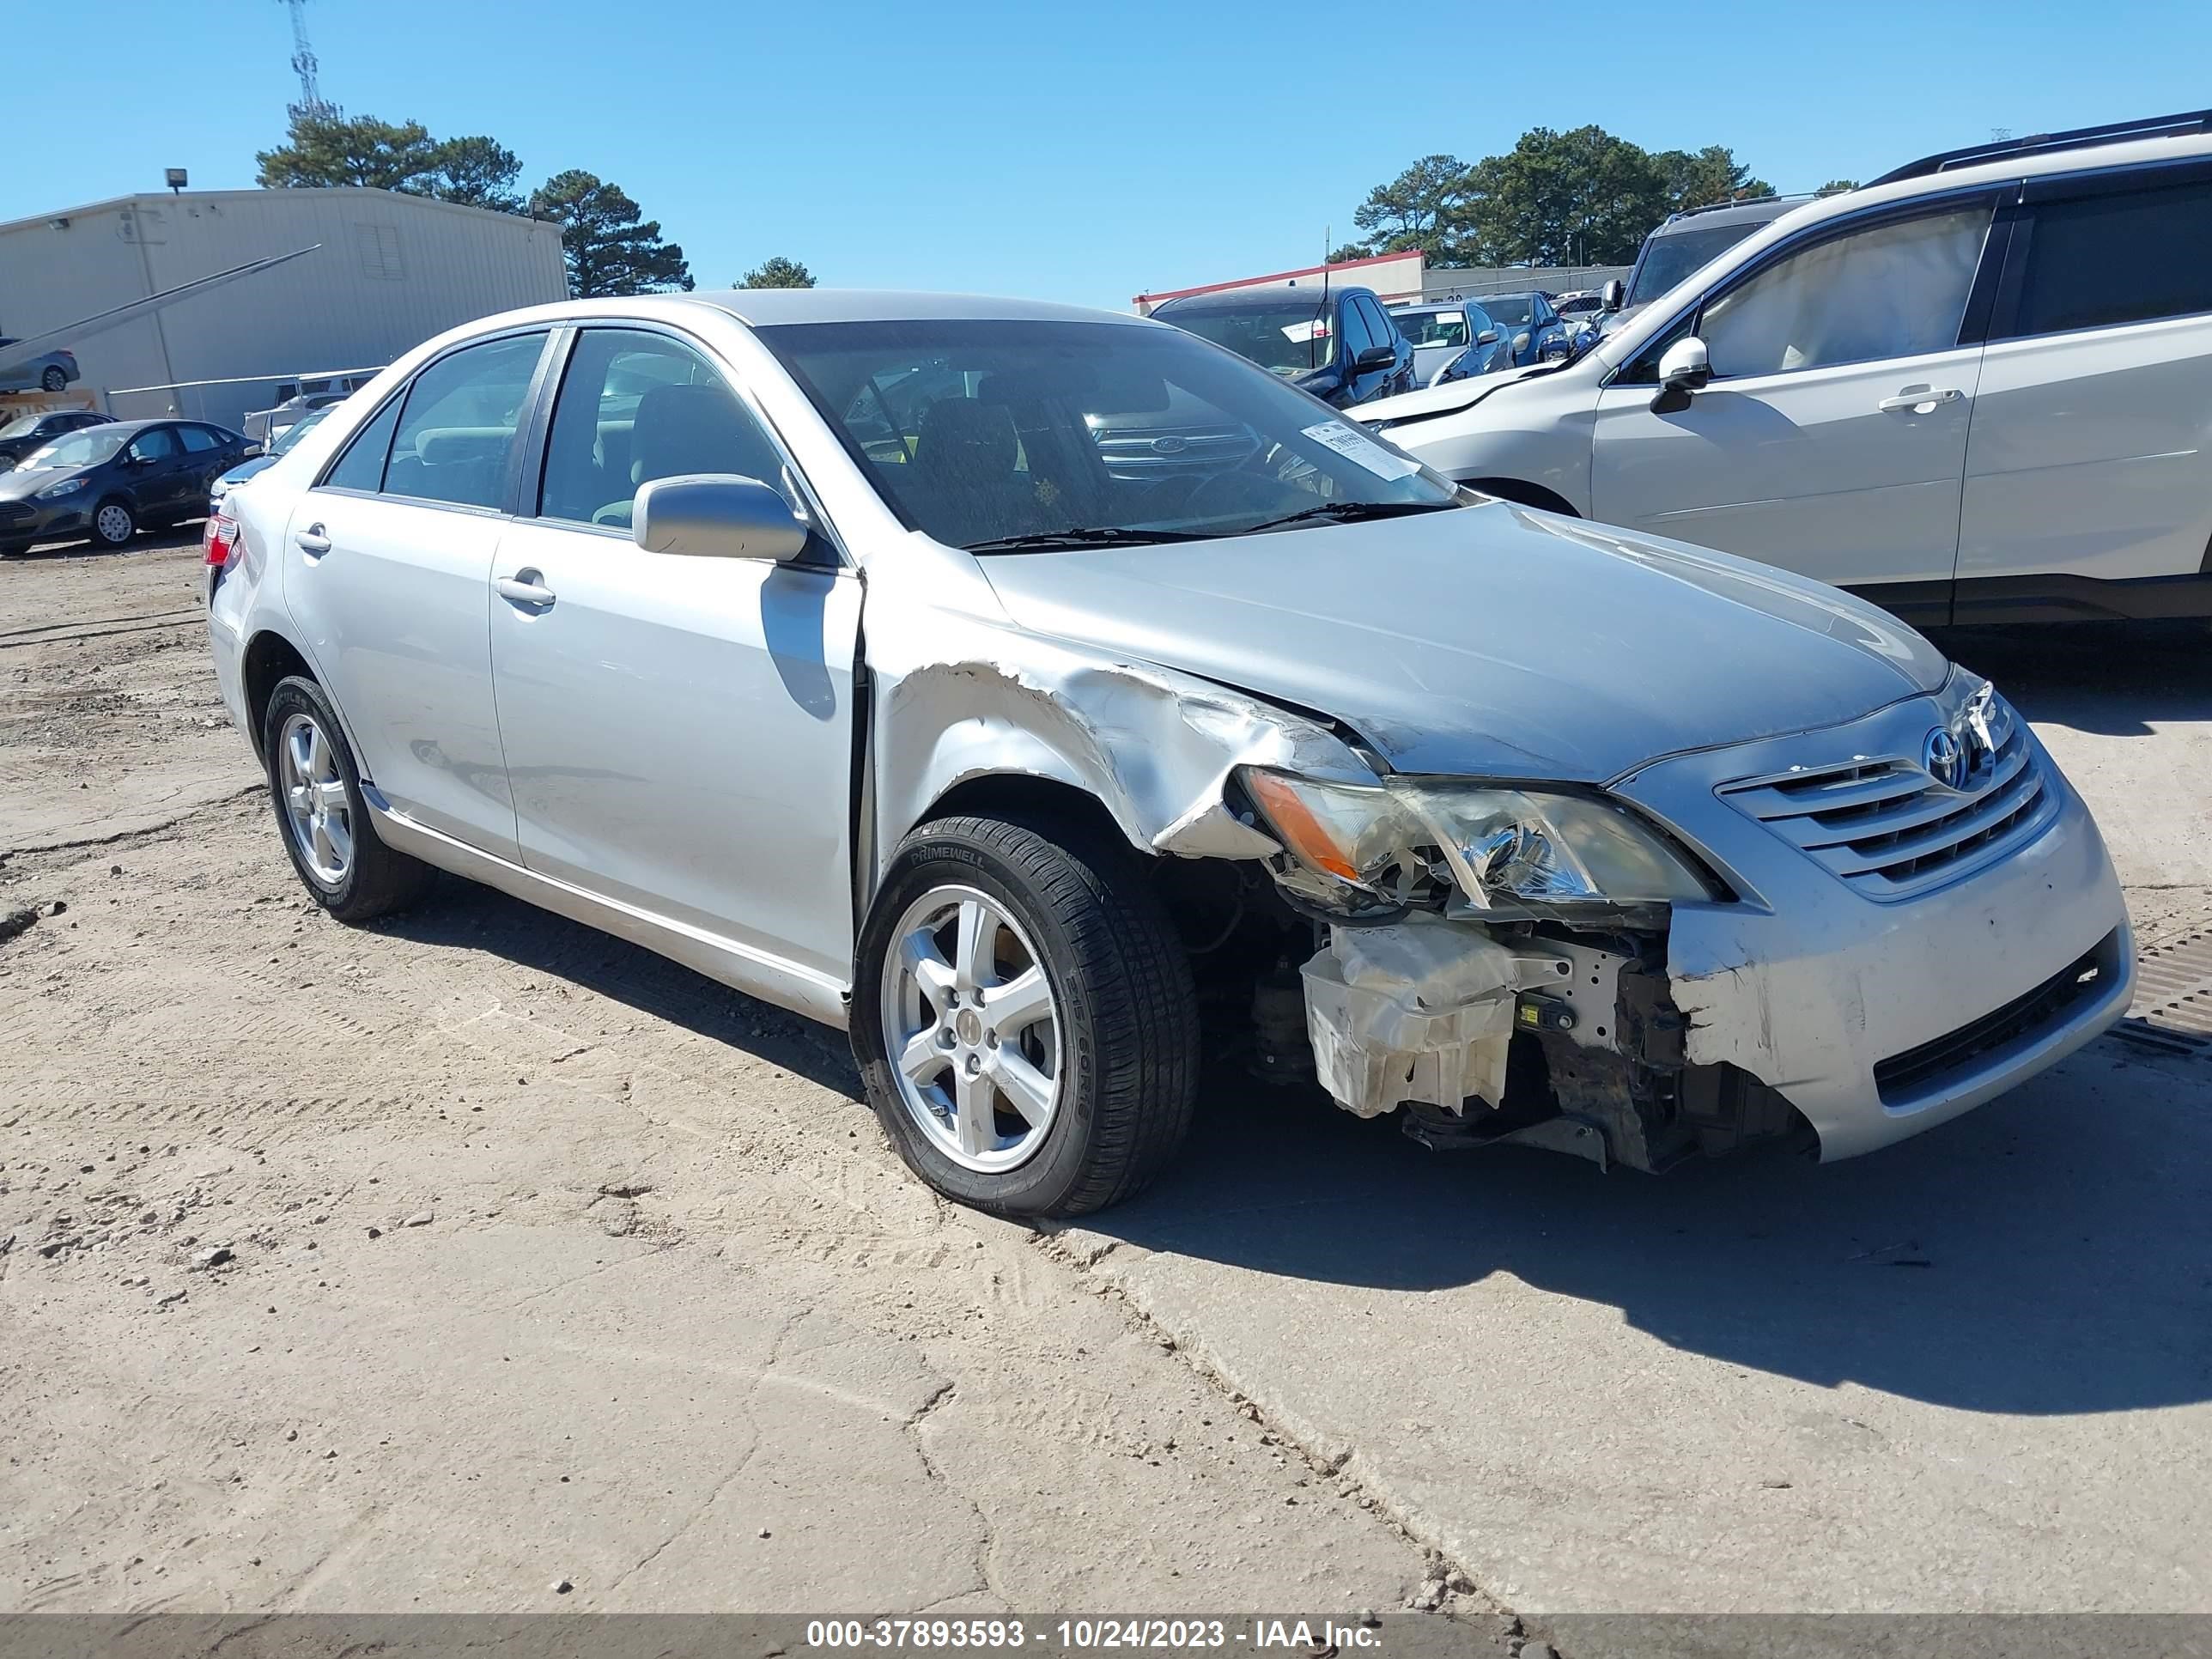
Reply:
x=321, y=814
x=1112, y=1030
x=53, y=380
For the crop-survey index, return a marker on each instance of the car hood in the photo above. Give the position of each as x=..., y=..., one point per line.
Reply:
x=1489, y=640
x=244, y=469
x=18, y=482
x=1445, y=399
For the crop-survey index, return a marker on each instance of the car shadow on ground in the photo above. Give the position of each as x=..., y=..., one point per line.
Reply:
x=462, y=915
x=2116, y=679
x=2050, y=1253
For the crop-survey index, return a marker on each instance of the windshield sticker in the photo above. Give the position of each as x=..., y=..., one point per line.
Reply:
x=1361, y=450
x=1314, y=329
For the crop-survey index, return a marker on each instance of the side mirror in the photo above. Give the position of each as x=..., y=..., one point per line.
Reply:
x=1374, y=358
x=1488, y=337
x=716, y=515
x=1686, y=365
x=1610, y=296
x=253, y=452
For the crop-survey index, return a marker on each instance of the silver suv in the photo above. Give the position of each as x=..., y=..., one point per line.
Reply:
x=919, y=715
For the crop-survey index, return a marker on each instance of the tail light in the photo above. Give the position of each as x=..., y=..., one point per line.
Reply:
x=220, y=539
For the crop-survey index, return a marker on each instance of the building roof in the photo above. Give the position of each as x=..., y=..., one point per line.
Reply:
x=1278, y=277
x=306, y=192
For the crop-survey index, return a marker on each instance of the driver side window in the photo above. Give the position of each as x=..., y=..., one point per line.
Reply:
x=157, y=445
x=635, y=406
x=1893, y=290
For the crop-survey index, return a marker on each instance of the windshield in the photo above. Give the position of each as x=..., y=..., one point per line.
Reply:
x=1289, y=339
x=987, y=431
x=1514, y=310
x=1666, y=260
x=21, y=426
x=87, y=448
x=1432, y=328
x=299, y=430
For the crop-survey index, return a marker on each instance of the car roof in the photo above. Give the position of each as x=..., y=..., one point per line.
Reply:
x=765, y=307
x=1756, y=211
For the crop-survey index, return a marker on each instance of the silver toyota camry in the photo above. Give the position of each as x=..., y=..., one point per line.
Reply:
x=808, y=638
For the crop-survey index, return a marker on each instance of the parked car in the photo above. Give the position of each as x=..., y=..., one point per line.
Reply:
x=1337, y=343
x=1978, y=389
x=259, y=458
x=1452, y=340
x=52, y=372
x=35, y=429
x=1683, y=242
x=1532, y=327
x=108, y=482
x=1577, y=304
x=1567, y=837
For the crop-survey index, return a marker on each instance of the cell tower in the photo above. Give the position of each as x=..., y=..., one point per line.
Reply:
x=312, y=102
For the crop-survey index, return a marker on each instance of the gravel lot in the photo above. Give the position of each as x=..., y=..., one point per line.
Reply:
x=437, y=1265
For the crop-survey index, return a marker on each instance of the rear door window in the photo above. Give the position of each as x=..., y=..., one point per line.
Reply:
x=2123, y=257
x=198, y=439
x=362, y=465
x=456, y=432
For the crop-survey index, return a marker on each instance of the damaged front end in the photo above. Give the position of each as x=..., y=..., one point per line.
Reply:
x=1493, y=961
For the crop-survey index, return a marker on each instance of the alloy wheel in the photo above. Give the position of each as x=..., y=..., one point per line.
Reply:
x=972, y=1028
x=316, y=807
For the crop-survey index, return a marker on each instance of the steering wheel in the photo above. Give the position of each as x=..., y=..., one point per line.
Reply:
x=1191, y=492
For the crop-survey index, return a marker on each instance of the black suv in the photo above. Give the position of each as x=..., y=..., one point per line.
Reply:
x=1337, y=343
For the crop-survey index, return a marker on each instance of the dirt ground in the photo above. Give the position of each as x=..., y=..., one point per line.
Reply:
x=535, y=1260
x=476, y=1260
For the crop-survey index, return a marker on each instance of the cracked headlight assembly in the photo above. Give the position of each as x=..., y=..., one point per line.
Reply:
x=1500, y=846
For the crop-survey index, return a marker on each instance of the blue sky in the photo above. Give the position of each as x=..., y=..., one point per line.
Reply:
x=1075, y=152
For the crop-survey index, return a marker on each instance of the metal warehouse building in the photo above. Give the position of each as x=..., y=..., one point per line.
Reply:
x=389, y=271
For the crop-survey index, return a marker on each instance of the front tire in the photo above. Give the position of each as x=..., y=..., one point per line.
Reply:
x=113, y=524
x=1023, y=1017
x=53, y=380
x=321, y=814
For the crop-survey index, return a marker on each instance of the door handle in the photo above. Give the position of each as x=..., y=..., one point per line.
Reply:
x=1919, y=398
x=522, y=587
x=311, y=541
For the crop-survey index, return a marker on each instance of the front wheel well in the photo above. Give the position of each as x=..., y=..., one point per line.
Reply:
x=1025, y=798
x=1527, y=494
x=270, y=660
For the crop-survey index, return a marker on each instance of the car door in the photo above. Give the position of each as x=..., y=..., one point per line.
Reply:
x=1353, y=336
x=678, y=730
x=206, y=455
x=1832, y=439
x=388, y=571
x=2091, y=452
x=154, y=465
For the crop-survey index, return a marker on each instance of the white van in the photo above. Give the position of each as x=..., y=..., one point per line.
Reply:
x=1978, y=390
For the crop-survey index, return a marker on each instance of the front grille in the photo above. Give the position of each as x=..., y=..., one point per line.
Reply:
x=1886, y=828
x=1917, y=1071
x=1149, y=452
